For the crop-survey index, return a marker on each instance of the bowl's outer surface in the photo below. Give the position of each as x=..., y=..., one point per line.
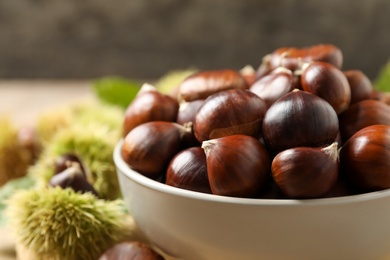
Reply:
x=190, y=225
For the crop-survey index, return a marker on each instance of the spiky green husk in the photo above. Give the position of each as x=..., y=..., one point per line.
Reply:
x=61, y=224
x=92, y=142
x=14, y=159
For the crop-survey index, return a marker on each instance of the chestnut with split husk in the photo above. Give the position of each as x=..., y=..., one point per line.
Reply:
x=73, y=177
x=149, y=105
x=360, y=85
x=205, y=83
x=65, y=161
x=149, y=147
x=306, y=172
x=362, y=114
x=292, y=58
x=131, y=250
x=365, y=158
x=230, y=112
x=188, y=170
x=328, y=82
x=237, y=165
x=274, y=85
x=299, y=119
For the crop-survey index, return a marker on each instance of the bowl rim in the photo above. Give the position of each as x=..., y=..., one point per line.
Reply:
x=125, y=169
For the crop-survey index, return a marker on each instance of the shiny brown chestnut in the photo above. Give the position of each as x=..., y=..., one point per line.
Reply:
x=292, y=57
x=230, y=112
x=274, y=85
x=188, y=111
x=149, y=147
x=205, y=83
x=130, y=250
x=306, y=172
x=299, y=119
x=328, y=82
x=362, y=114
x=73, y=177
x=188, y=170
x=360, y=85
x=364, y=158
x=149, y=105
x=237, y=165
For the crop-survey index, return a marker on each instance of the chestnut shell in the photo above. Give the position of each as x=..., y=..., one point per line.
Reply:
x=230, y=112
x=299, y=119
x=365, y=158
x=130, y=250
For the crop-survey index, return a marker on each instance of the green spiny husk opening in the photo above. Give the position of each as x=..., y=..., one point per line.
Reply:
x=94, y=143
x=61, y=224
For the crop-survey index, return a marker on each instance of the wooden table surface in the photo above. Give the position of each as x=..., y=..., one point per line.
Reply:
x=23, y=101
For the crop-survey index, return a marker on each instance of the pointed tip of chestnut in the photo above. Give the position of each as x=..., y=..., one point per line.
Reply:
x=207, y=146
x=332, y=150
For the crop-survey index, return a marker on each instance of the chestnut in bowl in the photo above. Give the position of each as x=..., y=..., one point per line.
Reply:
x=192, y=225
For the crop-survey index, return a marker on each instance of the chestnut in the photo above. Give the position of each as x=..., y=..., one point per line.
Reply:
x=360, y=85
x=364, y=158
x=188, y=170
x=65, y=161
x=274, y=85
x=205, y=83
x=237, y=165
x=230, y=112
x=130, y=250
x=73, y=177
x=292, y=57
x=328, y=82
x=249, y=74
x=149, y=105
x=361, y=114
x=149, y=147
x=306, y=172
x=299, y=119
x=187, y=111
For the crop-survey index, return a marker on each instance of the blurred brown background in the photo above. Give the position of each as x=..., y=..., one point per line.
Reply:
x=144, y=39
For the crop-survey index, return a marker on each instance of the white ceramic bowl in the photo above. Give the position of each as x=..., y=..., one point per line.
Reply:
x=191, y=225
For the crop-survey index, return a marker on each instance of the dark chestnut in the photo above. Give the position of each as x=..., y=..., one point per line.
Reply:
x=360, y=84
x=188, y=170
x=361, y=114
x=230, y=112
x=149, y=147
x=131, y=250
x=149, y=105
x=237, y=165
x=292, y=57
x=188, y=111
x=306, y=172
x=299, y=119
x=73, y=177
x=274, y=85
x=364, y=158
x=205, y=83
x=65, y=161
x=328, y=82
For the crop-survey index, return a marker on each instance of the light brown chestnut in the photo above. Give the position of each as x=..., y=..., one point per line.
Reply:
x=306, y=172
x=205, y=83
x=360, y=84
x=362, y=114
x=292, y=57
x=364, y=158
x=149, y=105
x=328, y=82
x=230, y=112
x=274, y=85
x=299, y=119
x=237, y=165
x=149, y=147
x=188, y=170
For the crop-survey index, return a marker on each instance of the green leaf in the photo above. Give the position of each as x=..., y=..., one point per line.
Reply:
x=116, y=90
x=382, y=82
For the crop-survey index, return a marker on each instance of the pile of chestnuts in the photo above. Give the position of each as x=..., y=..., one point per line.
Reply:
x=299, y=127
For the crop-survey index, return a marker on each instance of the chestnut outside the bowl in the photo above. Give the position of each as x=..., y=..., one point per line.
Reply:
x=191, y=225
